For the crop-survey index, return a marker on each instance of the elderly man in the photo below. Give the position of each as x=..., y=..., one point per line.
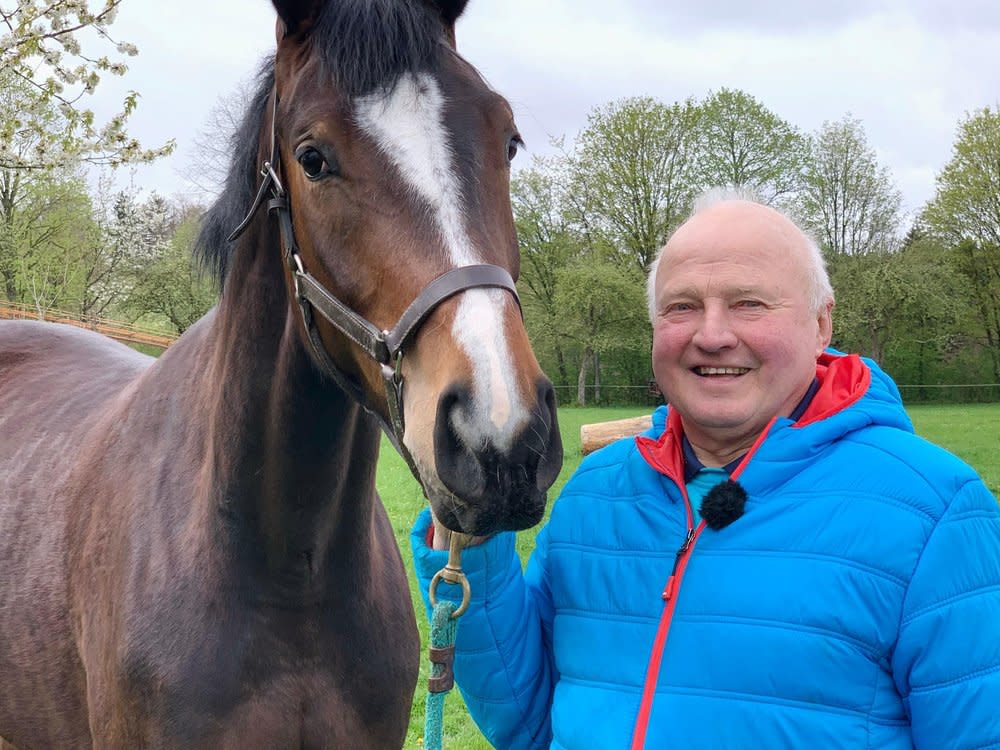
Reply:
x=779, y=563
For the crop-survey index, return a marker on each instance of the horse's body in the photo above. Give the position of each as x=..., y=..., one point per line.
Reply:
x=192, y=552
x=159, y=623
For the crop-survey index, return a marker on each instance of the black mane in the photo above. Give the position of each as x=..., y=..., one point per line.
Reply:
x=364, y=46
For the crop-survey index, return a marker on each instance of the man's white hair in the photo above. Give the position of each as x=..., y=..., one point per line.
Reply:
x=821, y=293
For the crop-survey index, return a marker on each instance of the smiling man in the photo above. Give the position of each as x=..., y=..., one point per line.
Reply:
x=741, y=310
x=779, y=563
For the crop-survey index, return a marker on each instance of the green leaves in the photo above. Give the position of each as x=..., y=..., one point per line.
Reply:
x=169, y=284
x=45, y=74
x=965, y=214
x=591, y=218
x=847, y=199
x=966, y=205
x=742, y=143
x=631, y=175
x=46, y=226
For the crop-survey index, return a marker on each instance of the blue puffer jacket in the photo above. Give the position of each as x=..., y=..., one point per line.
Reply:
x=855, y=604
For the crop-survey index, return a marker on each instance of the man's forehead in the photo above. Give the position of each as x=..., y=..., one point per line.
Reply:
x=736, y=243
x=753, y=267
x=735, y=222
x=748, y=255
x=712, y=285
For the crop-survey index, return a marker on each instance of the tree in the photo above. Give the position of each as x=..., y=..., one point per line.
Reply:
x=602, y=310
x=170, y=284
x=889, y=299
x=45, y=71
x=45, y=225
x=933, y=323
x=848, y=201
x=16, y=184
x=743, y=144
x=631, y=178
x=129, y=237
x=547, y=243
x=965, y=213
x=11, y=197
x=976, y=264
x=49, y=232
x=211, y=148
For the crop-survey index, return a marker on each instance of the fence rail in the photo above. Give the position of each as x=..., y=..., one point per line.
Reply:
x=128, y=333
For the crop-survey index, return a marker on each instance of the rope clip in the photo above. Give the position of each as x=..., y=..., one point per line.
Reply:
x=452, y=573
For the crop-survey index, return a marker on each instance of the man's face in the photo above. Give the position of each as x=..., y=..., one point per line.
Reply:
x=735, y=337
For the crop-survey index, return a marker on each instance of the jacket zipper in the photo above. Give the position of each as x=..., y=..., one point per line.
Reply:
x=672, y=587
x=669, y=596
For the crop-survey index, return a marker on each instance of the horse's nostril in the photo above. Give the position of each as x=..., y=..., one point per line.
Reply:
x=499, y=489
x=552, y=453
x=458, y=467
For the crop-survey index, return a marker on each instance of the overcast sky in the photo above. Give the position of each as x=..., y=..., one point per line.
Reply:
x=909, y=70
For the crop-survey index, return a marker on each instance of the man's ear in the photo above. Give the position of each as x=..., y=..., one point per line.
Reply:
x=295, y=16
x=825, y=332
x=449, y=10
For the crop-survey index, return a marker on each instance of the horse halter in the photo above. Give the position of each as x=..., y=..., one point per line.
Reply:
x=386, y=347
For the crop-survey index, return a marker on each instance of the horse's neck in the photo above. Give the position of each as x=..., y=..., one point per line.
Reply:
x=292, y=458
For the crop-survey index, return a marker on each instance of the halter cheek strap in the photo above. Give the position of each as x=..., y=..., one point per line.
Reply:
x=386, y=347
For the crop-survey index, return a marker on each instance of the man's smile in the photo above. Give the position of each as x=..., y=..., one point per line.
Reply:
x=711, y=371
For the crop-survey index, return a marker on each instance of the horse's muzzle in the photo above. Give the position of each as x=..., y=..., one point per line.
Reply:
x=497, y=490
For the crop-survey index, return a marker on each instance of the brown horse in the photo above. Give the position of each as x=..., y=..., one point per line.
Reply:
x=192, y=552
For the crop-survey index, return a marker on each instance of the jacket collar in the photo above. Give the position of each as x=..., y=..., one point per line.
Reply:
x=840, y=381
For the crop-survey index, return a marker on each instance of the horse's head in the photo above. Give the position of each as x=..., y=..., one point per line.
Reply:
x=395, y=156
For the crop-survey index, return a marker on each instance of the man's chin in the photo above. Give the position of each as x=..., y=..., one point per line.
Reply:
x=721, y=427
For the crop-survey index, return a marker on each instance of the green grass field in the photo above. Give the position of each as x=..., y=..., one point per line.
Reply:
x=970, y=431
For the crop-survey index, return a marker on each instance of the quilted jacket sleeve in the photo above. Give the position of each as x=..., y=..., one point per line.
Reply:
x=503, y=663
x=947, y=659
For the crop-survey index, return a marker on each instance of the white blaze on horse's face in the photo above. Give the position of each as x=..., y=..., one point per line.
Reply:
x=409, y=129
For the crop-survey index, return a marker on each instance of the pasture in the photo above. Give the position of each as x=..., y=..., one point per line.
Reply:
x=970, y=431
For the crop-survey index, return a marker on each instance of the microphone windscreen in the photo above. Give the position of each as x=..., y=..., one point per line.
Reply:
x=723, y=504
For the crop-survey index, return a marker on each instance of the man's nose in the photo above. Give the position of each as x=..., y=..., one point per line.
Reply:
x=715, y=331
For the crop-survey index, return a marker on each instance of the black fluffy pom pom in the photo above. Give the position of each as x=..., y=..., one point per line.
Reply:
x=723, y=504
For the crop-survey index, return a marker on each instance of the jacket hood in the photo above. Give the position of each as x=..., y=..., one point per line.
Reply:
x=854, y=393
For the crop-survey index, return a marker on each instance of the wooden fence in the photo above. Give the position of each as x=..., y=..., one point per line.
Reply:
x=116, y=329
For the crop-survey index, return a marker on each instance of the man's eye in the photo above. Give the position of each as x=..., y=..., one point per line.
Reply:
x=678, y=307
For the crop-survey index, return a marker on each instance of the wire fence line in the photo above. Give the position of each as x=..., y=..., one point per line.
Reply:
x=590, y=387
x=646, y=394
x=951, y=385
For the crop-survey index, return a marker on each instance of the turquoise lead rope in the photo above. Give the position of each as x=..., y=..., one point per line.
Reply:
x=444, y=626
x=443, y=629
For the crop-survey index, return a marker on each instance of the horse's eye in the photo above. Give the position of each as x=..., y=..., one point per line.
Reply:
x=513, y=146
x=313, y=163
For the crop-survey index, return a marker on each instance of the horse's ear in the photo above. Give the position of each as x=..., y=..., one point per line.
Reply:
x=449, y=11
x=295, y=16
